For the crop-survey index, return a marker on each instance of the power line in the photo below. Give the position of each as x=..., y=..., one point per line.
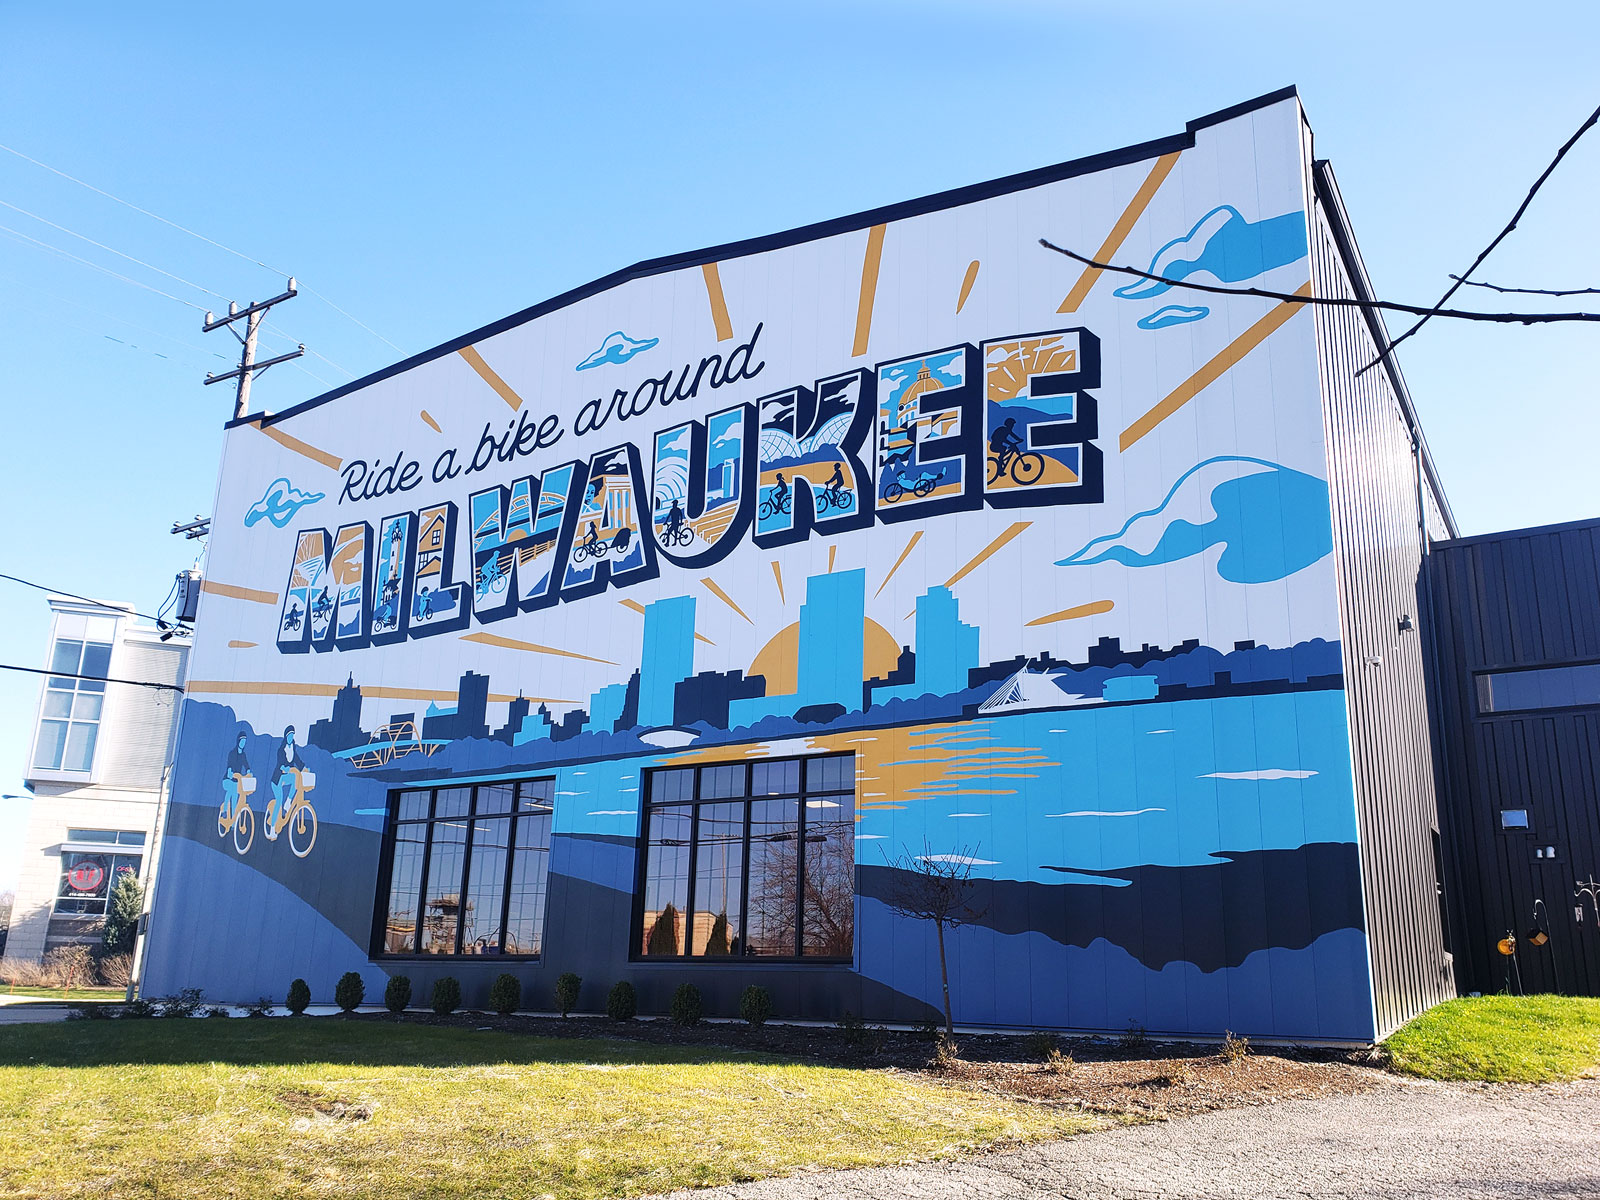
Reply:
x=97, y=267
x=114, y=250
x=1498, y=238
x=39, y=587
x=185, y=229
x=1516, y=291
x=165, y=687
x=1330, y=301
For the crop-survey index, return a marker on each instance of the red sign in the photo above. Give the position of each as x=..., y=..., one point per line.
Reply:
x=86, y=875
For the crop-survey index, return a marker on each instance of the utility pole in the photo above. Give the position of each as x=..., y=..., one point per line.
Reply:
x=248, y=366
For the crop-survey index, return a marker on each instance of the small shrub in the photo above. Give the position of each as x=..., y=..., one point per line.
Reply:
x=1040, y=1045
x=68, y=967
x=397, y=993
x=755, y=1005
x=93, y=1012
x=261, y=1008
x=1174, y=1073
x=299, y=996
x=1134, y=1038
x=185, y=1004
x=858, y=1035
x=116, y=970
x=686, y=1006
x=216, y=1010
x=21, y=972
x=1058, y=1063
x=138, y=1009
x=349, y=992
x=505, y=995
x=945, y=1052
x=622, y=1003
x=1235, y=1049
x=446, y=995
x=567, y=992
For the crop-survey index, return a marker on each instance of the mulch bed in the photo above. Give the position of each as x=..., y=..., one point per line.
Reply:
x=1126, y=1077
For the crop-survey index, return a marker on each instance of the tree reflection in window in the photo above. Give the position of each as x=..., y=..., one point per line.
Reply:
x=752, y=860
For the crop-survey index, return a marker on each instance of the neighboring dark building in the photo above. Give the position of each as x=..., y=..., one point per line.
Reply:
x=1518, y=620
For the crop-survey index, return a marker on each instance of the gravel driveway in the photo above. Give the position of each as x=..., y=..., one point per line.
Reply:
x=1403, y=1139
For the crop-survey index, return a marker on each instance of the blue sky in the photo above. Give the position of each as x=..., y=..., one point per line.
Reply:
x=428, y=172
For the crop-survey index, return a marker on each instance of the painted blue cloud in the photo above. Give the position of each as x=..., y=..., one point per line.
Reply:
x=617, y=348
x=1270, y=520
x=279, y=503
x=1173, y=314
x=1226, y=246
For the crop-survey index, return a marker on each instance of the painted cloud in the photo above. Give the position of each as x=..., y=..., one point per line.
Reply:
x=617, y=348
x=1271, y=521
x=1226, y=246
x=279, y=503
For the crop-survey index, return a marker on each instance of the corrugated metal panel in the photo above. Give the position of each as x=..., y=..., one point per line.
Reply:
x=1377, y=481
x=1527, y=598
x=139, y=727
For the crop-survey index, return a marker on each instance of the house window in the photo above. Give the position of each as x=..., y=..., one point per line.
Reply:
x=749, y=860
x=69, y=719
x=467, y=870
x=87, y=877
x=1543, y=687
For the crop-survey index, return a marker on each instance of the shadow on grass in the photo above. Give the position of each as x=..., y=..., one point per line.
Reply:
x=284, y=1041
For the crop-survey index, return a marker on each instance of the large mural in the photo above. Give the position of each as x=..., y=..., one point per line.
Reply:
x=1047, y=558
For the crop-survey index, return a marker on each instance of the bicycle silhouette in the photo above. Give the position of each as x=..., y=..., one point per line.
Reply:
x=493, y=574
x=296, y=814
x=1023, y=466
x=234, y=814
x=292, y=621
x=771, y=507
x=829, y=498
x=900, y=485
x=681, y=536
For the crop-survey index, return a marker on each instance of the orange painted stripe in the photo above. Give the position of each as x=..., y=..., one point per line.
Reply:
x=915, y=538
x=234, y=592
x=982, y=557
x=494, y=639
x=777, y=573
x=1216, y=368
x=1092, y=609
x=966, y=285
x=1119, y=232
x=431, y=423
x=639, y=608
x=869, y=289
x=332, y=461
x=719, y=304
x=711, y=586
x=237, y=645
x=475, y=361
x=832, y=551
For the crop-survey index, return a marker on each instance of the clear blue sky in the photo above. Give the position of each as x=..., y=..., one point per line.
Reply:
x=430, y=168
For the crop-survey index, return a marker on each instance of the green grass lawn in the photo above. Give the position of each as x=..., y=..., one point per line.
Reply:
x=241, y=1108
x=72, y=996
x=1502, y=1039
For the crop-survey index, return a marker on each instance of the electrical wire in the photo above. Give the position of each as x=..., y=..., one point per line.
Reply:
x=97, y=267
x=113, y=250
x=145, y=683
x=74, y=596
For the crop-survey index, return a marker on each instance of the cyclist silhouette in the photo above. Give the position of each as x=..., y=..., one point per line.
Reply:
x=836, y=480
x=674, y=518
x=292, y=620
x=287, y=761
x=592, y=538
x=238, y=767
x=1004, y=442
x=780, y=494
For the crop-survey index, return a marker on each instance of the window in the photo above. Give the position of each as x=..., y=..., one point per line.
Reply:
x=69, y=720
x=106, y=837
x=467, y=870
x=1544, y=687
x=1513, y=818
x=750, y=860
x=87, y=877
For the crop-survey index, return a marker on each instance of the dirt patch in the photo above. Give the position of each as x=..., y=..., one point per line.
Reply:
x=1126, y=1076
x=312, y=1106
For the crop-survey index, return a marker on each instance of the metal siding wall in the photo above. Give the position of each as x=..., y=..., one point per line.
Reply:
x=1521, y=599
x=1378, y=544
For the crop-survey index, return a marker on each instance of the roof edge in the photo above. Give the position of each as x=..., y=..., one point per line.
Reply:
x=934, y=202
x=1528, y=531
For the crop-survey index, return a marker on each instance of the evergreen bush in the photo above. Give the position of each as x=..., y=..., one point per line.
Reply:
x=397, y=993
x=446, y=995
x=567, y=992
x=622, y=1002
x=299, y=996
x=685, y=1008
x=505, y=995
x=349, y=992
x=123, y=907
x=755, y=1005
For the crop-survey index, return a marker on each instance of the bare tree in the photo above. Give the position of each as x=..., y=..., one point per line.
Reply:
x=938, y=888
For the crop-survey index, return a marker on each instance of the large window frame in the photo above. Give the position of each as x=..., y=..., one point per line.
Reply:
x=526, y=807
x=1555, y=687
x=810, y=802
x=71, y=709
x=105, y=855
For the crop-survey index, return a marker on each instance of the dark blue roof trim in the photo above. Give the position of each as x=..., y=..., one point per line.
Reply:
x=805, y=233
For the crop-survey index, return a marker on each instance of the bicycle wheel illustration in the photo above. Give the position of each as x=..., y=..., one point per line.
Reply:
x=1026, y=468
x=924, y=486
x=994, y=467
x=244, y=829
x=303, y=830
x=893, y=492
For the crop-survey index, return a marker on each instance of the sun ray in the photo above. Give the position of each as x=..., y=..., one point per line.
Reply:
x=777, y=573
x=494, y=639
x=915, y=538
x=966, y=285
x=982, y=556
x=711, y=586
x=1091, y=609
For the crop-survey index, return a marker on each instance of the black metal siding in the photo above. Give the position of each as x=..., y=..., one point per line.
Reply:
x=1378, y=481
x=1528, y=598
